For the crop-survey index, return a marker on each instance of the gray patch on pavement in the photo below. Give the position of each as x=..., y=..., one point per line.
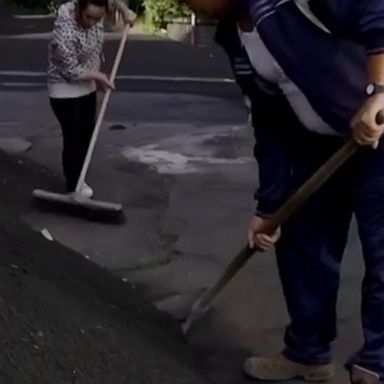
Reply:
x=14, y=145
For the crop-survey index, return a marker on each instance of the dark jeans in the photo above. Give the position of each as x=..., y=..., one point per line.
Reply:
x=312, y=246
x=77, y=119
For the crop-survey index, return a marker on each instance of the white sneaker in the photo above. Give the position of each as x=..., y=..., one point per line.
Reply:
x=86, y=190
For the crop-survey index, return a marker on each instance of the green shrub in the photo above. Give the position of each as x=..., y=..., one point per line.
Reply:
x=54, y=5
x=158, y=11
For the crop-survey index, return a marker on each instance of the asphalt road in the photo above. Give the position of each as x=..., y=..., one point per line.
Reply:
x=149, y=65
x=64, y=320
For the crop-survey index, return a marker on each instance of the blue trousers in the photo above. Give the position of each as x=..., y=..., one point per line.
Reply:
x=312, y=246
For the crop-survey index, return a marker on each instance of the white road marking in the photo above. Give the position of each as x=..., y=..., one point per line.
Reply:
x=22, y=84
x=22, y=73
x=176, y=79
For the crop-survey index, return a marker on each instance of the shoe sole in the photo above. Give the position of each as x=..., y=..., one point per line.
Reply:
x=316, y=377
x=310, y=377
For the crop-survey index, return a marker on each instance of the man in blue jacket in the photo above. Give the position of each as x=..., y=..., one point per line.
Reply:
x=319, y=75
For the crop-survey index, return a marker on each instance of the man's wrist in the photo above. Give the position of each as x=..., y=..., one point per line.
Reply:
x=375, y=69
x=373, y=89
x=263, y=215
x=129, y=16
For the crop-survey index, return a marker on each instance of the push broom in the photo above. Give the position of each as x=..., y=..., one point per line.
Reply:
x=76, y=199
x=201, y=306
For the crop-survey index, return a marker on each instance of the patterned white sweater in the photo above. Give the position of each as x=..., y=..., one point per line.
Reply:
x=74, y=51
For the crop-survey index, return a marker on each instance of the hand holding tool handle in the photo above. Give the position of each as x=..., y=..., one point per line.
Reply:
x=286, y=211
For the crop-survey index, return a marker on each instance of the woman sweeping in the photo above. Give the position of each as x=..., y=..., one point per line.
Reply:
x=74, y=76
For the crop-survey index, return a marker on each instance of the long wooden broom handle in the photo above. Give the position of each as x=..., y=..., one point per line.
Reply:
x=310, y=187
x=285, y=212
x=102, y=111
x=282, y=215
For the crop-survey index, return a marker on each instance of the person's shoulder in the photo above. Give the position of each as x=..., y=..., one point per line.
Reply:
x=65, y=19
x=66, y=14
x=65, y=29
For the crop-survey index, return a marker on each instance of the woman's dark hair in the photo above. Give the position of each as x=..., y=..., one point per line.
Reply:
x=99, y=3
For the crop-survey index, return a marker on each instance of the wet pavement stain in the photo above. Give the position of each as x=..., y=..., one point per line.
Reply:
x=227, y=146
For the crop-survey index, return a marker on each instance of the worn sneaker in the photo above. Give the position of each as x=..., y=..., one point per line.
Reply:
x=86, y=190
x=360, y=375
x=281, y=369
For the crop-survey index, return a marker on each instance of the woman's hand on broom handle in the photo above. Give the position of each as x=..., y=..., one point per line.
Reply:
x=101, y=79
